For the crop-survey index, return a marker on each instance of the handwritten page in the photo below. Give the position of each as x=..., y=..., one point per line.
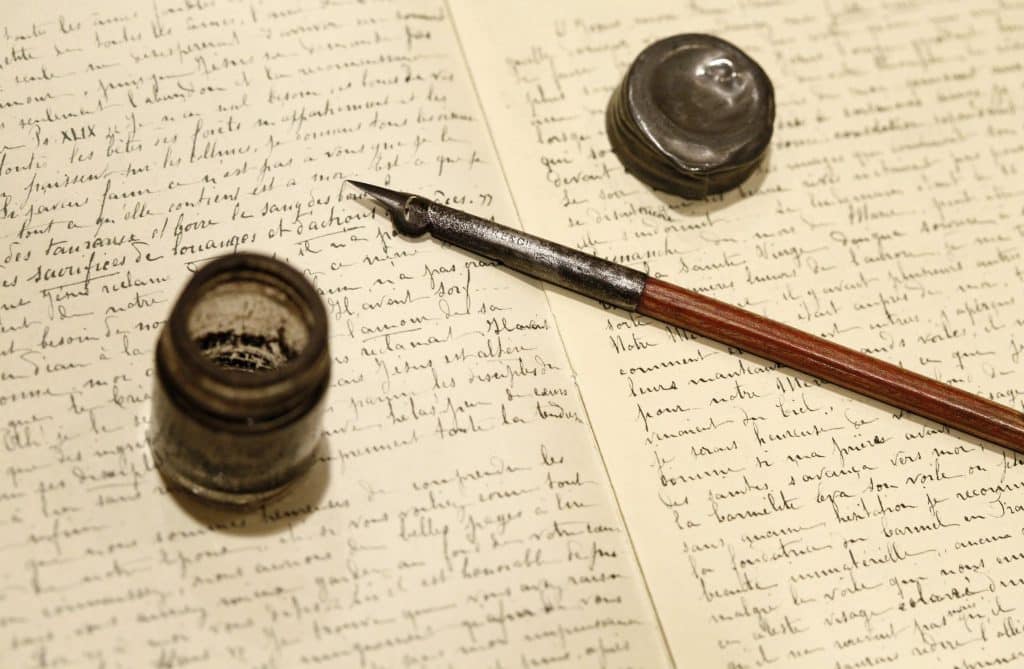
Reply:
x=460, y=514
x=778, y=522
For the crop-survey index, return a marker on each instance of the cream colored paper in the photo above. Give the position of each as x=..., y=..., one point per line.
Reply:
x=780, y=523
x=460, y=514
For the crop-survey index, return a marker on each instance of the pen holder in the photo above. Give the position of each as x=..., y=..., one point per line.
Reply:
x=242, y=370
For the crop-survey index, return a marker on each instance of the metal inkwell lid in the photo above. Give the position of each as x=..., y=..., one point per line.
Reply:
x=693, y=115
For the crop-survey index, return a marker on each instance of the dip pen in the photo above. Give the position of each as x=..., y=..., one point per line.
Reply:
x=630, y=289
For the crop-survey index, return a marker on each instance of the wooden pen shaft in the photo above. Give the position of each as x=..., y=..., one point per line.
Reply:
x=837, y=364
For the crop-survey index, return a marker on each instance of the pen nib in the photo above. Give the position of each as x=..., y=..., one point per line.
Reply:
x=397, y=204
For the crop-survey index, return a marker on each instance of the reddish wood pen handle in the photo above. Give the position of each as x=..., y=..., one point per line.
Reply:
x=834, y=363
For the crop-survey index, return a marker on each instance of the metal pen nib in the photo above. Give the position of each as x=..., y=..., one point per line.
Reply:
x=397, y=203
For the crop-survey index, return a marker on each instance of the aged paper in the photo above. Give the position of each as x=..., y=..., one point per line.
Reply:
x=459, y=515
x=780, y=523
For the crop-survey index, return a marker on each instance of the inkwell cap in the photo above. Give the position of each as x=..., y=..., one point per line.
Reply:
x=693, y=115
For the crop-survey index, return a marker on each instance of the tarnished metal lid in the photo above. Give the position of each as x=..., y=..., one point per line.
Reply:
x=693, y=115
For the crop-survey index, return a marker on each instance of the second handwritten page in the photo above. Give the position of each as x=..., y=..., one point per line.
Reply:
x=778, y=521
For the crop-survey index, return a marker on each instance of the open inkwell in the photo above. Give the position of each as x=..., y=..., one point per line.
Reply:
x=242, y=370
x=693, y=116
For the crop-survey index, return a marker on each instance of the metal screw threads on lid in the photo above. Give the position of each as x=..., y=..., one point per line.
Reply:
x=693, y=116
x=242, y=370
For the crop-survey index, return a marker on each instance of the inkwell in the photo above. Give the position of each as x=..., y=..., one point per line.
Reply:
x=692, y=117
x=242, y=369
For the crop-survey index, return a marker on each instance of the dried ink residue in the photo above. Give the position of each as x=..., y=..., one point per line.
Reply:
x=248, y=325
x=247, y=352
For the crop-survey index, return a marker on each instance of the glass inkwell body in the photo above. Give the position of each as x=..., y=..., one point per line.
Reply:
x=242, y=370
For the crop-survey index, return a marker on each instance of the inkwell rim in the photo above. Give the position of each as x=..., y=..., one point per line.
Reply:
x=233, y=398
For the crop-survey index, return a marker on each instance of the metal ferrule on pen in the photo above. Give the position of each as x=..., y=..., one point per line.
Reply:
x=571, y=269
x=574, y=270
